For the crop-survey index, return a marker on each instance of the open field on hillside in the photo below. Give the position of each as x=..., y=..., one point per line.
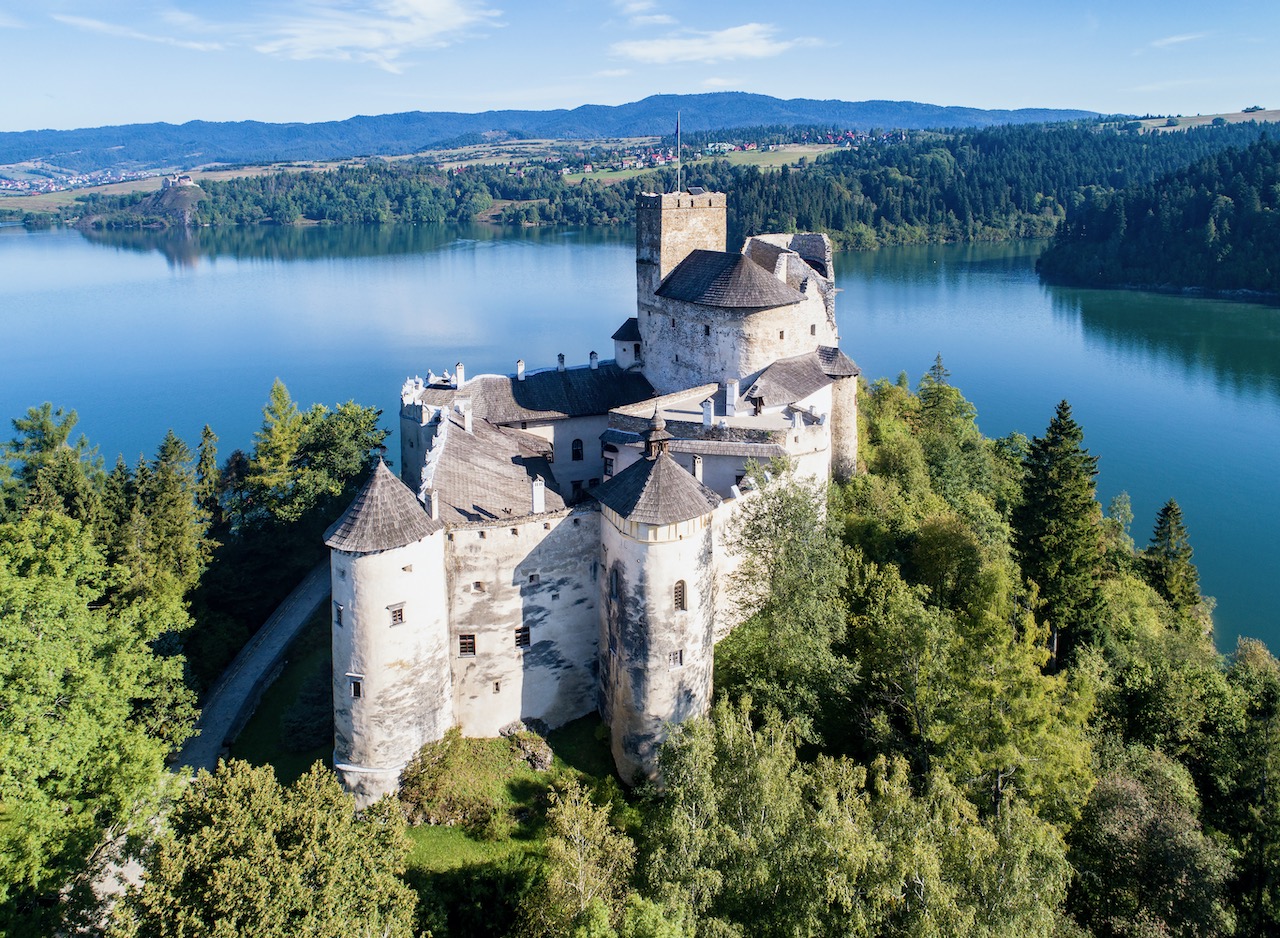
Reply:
x=1199, y=120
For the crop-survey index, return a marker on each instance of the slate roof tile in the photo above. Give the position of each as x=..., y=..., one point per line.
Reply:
x=731, y=281
x=384, y=515
x=656, y=491
x=545, y=395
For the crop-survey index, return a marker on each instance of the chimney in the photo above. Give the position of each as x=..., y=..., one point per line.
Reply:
x=459, y=375
x=519, y=369
x=433, y=505
x=697, y=468
x=560, y=362
x=797, y=420
x=731, y=397
x=539, y=495
x=708, y=411
x=595, y=361
x=463, y=406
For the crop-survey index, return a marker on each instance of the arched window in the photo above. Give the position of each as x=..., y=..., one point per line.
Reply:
x=681, y=597
x=577, y=451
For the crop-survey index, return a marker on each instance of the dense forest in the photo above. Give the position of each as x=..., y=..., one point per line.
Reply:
x=964, y=702
x=1214, y=225
x=990, y=184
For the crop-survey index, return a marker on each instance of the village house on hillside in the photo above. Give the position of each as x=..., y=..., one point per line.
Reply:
x=555, y=544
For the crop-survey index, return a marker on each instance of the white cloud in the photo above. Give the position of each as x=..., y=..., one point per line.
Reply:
x=632, y=7
x=375, y=31
x=1176, y=40
x=612, y=73
x=652, y=19
x=719, y=82
x=128, y=32
x=749, y=41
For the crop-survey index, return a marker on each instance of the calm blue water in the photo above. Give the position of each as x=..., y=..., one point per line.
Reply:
x=139, y=333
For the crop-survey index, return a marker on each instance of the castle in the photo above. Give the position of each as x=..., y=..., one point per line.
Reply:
x=555, y=545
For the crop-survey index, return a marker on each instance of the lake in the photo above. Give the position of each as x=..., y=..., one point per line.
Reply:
x=141, y=332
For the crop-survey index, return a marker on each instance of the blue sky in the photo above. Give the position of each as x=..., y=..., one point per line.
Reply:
x=77, y=63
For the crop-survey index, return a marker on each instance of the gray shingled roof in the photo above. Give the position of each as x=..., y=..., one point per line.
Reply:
x=384, y=515
x=486, y=475
x=732, y=281
x=836, y=363
x=656, y=491
x=789, y=379
x=629, y=331
x=546, y=395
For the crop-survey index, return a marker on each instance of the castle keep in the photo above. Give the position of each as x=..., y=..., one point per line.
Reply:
x=555, y=544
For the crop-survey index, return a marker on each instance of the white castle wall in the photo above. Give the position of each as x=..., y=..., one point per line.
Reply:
x=402, y=669
x=642, y=690
x=686, y=345
x=536, y=572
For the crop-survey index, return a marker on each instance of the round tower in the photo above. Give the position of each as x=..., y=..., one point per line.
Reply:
x=392, y=689
x=657, y=609
x=844, y=428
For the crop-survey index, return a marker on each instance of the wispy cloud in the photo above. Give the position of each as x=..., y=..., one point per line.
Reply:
x=10, y=22
x=1176, y=40
x=376, y=31
x=652, y=19
x=749, y=41
x=611, y=73
x=128, y=32
x=634, y=7
x=715, y=82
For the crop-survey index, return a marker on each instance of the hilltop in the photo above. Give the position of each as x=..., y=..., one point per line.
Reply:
x=201, y=142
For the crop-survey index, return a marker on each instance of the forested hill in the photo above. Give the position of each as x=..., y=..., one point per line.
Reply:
x=1214, y=225
x=199, y=142
x=989, y=184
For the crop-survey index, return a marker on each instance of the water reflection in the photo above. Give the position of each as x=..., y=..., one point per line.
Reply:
x=186, y=247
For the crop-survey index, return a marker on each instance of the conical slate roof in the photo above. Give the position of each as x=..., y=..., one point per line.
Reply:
x=383, y=515
x=656, y=491
x=731, y=281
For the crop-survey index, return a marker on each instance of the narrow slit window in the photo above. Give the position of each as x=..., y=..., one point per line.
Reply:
x=357, y=690
x=680, y=596
x=337, y=614
x=576, y=454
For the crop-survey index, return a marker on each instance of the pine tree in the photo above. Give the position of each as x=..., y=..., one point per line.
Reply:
x=1058, y=535
x=1168, y=560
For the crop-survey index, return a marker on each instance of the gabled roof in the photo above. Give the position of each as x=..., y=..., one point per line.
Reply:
x=545, y=395
x=629, y=331
x=789, y=380
x=656, y=491
x=487, y=474
x=384, y=515
x=731, y=281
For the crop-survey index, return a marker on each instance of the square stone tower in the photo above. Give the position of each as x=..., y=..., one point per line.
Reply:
x=670, y=226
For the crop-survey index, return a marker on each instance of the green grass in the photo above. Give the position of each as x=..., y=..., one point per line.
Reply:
x=264, y=741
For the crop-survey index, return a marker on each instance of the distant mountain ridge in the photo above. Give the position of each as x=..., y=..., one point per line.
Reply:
x=199, y=142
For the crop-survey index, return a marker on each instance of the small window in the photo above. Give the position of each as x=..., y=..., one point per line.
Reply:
x=357, y=690
x=576, y=454
x=592, y=483
x=673, y=323
x=497, y=687
x=337, y=614
x=466, y=646
x=615, y=583
x=782, y=333
x=675, y=659
x=397, y=614
x=534, y=577
x=637, y=350
x=482, y=535
x=681, y=597
x=522, y=636
x=813, y=330
x=407, y=568
x=515, y=531
x=706, y=330
x=524, y=425
x=608, y=465
x=477, y=586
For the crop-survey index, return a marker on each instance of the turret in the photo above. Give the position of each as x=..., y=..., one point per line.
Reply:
x=658, y=602
x=391, y=681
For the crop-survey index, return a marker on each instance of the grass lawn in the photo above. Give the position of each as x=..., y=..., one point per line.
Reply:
x=266, y=739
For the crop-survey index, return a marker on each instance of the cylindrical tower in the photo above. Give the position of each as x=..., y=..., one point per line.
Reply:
x=658, y=604
x=844, y=427
x=392, y=688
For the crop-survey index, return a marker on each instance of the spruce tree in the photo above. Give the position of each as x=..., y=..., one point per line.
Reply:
x=1168, y=560
x=1058, y=535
